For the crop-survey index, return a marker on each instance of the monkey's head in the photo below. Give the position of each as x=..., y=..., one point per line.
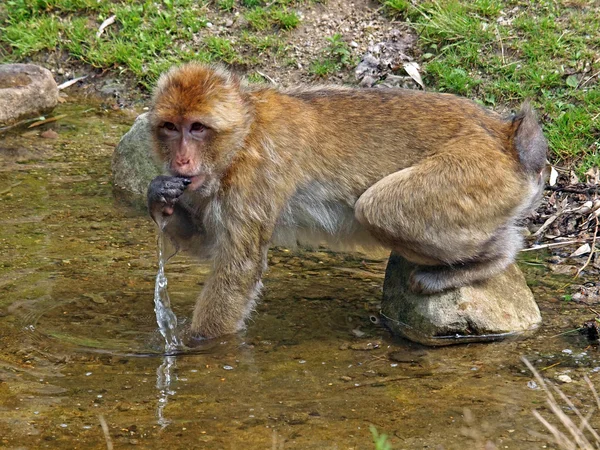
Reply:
x=199, y=119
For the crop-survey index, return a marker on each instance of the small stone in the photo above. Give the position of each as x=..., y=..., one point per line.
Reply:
x=532, y=384
x=564, y=378
x=133, y=166
x=229, y=23
x=49, y=134
x=365, y=346
x=26, y=90
x=345, y=378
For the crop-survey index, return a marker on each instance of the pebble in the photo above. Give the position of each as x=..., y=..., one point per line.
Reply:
x=532, y=385
x=49, y=134
x=564, y=378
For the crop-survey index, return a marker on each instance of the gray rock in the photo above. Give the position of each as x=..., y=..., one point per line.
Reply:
x=494, y=309
x=26, y=90
x=133, y=165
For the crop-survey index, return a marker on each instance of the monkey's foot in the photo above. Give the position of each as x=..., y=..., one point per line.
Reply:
x=497, y=308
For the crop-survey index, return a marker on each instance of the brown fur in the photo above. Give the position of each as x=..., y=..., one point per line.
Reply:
x=432, y=176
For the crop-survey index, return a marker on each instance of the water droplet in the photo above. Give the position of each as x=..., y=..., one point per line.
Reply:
x=227, y=367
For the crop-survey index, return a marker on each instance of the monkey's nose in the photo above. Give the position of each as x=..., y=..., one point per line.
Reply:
x=182, y=162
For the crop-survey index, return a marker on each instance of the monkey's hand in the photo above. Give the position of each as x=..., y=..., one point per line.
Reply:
x=164, y=191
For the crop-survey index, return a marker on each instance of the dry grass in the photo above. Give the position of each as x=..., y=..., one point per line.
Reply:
x=565, y=432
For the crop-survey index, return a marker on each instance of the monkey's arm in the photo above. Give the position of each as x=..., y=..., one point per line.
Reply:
x=239, y=260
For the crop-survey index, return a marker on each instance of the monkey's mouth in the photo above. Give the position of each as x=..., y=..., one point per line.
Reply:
x=196, y=181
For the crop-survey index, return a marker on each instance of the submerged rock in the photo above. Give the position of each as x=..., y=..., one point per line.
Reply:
x=133, y=165
x=26, y=90
x=494, y=309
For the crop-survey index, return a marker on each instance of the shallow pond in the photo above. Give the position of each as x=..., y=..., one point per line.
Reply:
x=80, y=344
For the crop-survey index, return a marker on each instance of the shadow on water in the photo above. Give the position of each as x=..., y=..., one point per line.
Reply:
x=80, y=340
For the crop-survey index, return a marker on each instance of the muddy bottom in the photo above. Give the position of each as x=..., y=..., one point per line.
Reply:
x=313, y=371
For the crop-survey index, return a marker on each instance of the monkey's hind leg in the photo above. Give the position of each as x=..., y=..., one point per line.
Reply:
x=452, y=217
x=496, y=256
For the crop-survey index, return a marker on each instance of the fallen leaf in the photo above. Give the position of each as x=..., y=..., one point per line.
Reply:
x=553, y=176
x=583, y=250
x=68, y=83
x=412, y=69
x=105, y=24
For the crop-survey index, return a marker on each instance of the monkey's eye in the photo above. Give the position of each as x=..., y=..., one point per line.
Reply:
x=197, y=126
x=170, y=126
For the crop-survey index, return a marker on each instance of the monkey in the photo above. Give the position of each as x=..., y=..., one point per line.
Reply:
x=432, y=176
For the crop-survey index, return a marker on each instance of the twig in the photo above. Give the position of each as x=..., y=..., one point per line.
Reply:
x=588, y=190
x=66, y=84
x=265, y=76
x=501, y=44
x=562, y=334
x=387, y=380
x=592, y=251
x=45, y=121
x=103, y=424
x=550, y=366
x=553, y=244
x=589, y=79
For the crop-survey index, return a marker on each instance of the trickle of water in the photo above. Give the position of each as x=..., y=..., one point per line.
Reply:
x=165, y=317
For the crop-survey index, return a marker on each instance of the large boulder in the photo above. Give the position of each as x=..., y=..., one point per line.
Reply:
x=133, y=165
x=26, y=90
x=494, y=309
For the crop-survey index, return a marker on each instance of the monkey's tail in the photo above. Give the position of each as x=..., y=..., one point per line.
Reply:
x=529, y=141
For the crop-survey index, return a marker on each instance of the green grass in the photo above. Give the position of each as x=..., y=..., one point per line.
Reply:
x=336, y=56
x=146, y=38
x=504, y=52
x=380, y=440
x=275, y=17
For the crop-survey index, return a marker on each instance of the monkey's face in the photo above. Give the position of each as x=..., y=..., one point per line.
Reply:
x=199, y=120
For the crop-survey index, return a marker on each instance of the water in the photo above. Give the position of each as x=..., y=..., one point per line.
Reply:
x=79, y=336
x=165, y=317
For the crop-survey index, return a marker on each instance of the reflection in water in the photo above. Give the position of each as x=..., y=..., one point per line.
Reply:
x=163, y=384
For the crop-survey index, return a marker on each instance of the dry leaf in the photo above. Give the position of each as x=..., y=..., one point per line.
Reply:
x=583, y=250
x=105, y=24
x=553, y=176
x=66, y=84
x=412, y=69
x=574, y=179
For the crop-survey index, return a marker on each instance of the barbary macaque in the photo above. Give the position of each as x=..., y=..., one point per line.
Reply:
x=432, y=176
